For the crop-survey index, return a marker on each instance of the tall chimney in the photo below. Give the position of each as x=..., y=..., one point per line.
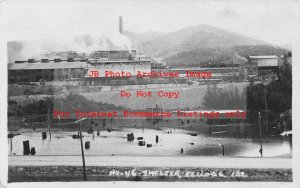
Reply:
x=120, y=24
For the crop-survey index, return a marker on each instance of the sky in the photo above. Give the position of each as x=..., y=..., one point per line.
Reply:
x=272, y=21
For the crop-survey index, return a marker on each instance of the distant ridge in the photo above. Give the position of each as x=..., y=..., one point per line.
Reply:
x=202, y=36
x=137, y=38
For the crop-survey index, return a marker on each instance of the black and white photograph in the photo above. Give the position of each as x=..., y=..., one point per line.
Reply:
x=149, y=91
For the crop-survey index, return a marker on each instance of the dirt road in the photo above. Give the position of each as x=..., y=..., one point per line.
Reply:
x=165, y=161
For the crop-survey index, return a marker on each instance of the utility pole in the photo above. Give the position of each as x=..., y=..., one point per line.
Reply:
x=223, y=150
x=10, y=138
x=61, y=111
x=232, y=68
x=261, y=147
x=49, y=123
x=82, y=151
x=266, y=109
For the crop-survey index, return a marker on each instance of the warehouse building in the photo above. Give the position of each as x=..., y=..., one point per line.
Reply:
x=117, y=72
x=79, y=67
x=263, y=67
x=33, y=71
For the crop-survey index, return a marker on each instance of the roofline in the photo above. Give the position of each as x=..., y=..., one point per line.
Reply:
x=264, y=57
x=118, y=61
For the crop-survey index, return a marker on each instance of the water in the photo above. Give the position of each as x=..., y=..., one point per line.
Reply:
x=115, y=143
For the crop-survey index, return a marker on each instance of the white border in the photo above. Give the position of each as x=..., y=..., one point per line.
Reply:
x=296, y=124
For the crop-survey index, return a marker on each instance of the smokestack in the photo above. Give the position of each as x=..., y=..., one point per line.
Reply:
x=120, y=24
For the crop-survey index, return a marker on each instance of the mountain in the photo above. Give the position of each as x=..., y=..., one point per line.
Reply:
x=196, y=37
x=221, y=55
x=200, y=44
x=137, y=38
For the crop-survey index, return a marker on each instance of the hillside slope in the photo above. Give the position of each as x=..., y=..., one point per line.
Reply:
x=202, y=36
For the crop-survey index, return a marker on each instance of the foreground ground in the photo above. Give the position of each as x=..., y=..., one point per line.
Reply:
x=132, y=168
x=163, y=161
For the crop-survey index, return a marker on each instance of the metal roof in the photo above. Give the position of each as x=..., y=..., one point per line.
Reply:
x=50, y=65
x=264, y=57
x=268, y=62
x=95, y=61
x=265, y=61
x=201, y=68
x=132, y=69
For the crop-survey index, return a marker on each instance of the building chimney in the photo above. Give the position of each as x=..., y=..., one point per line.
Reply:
x=31, y=61
x=44, y=60
x=120, y=24
x=56, y=60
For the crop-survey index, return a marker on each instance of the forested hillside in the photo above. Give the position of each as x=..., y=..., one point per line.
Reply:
x=220, y=54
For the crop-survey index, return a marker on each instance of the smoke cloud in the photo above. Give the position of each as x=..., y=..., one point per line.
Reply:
x=22, y=50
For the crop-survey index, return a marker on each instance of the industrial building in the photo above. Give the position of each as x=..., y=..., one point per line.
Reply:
x=79, y=68
x=109, y=66
x=49, y=71
x=217, y=73
x=72, y=65
x=263, y=67
x=76, y=66
x=117, y=72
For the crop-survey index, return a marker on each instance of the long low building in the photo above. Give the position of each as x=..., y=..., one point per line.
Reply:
x=62, y=66
x=216, y=73
x=117, y=72
x=34, y=72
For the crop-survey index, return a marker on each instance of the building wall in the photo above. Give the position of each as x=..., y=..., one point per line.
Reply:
x=131, y=68
x=23, y=76
x=266, y=62
x=222, y=73
x=20, y=76
x=251, y=68
x=68, y=73
x=114, y=55
x=263, y=67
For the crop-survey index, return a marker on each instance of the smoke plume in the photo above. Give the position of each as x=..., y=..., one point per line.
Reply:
x=23, y=50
